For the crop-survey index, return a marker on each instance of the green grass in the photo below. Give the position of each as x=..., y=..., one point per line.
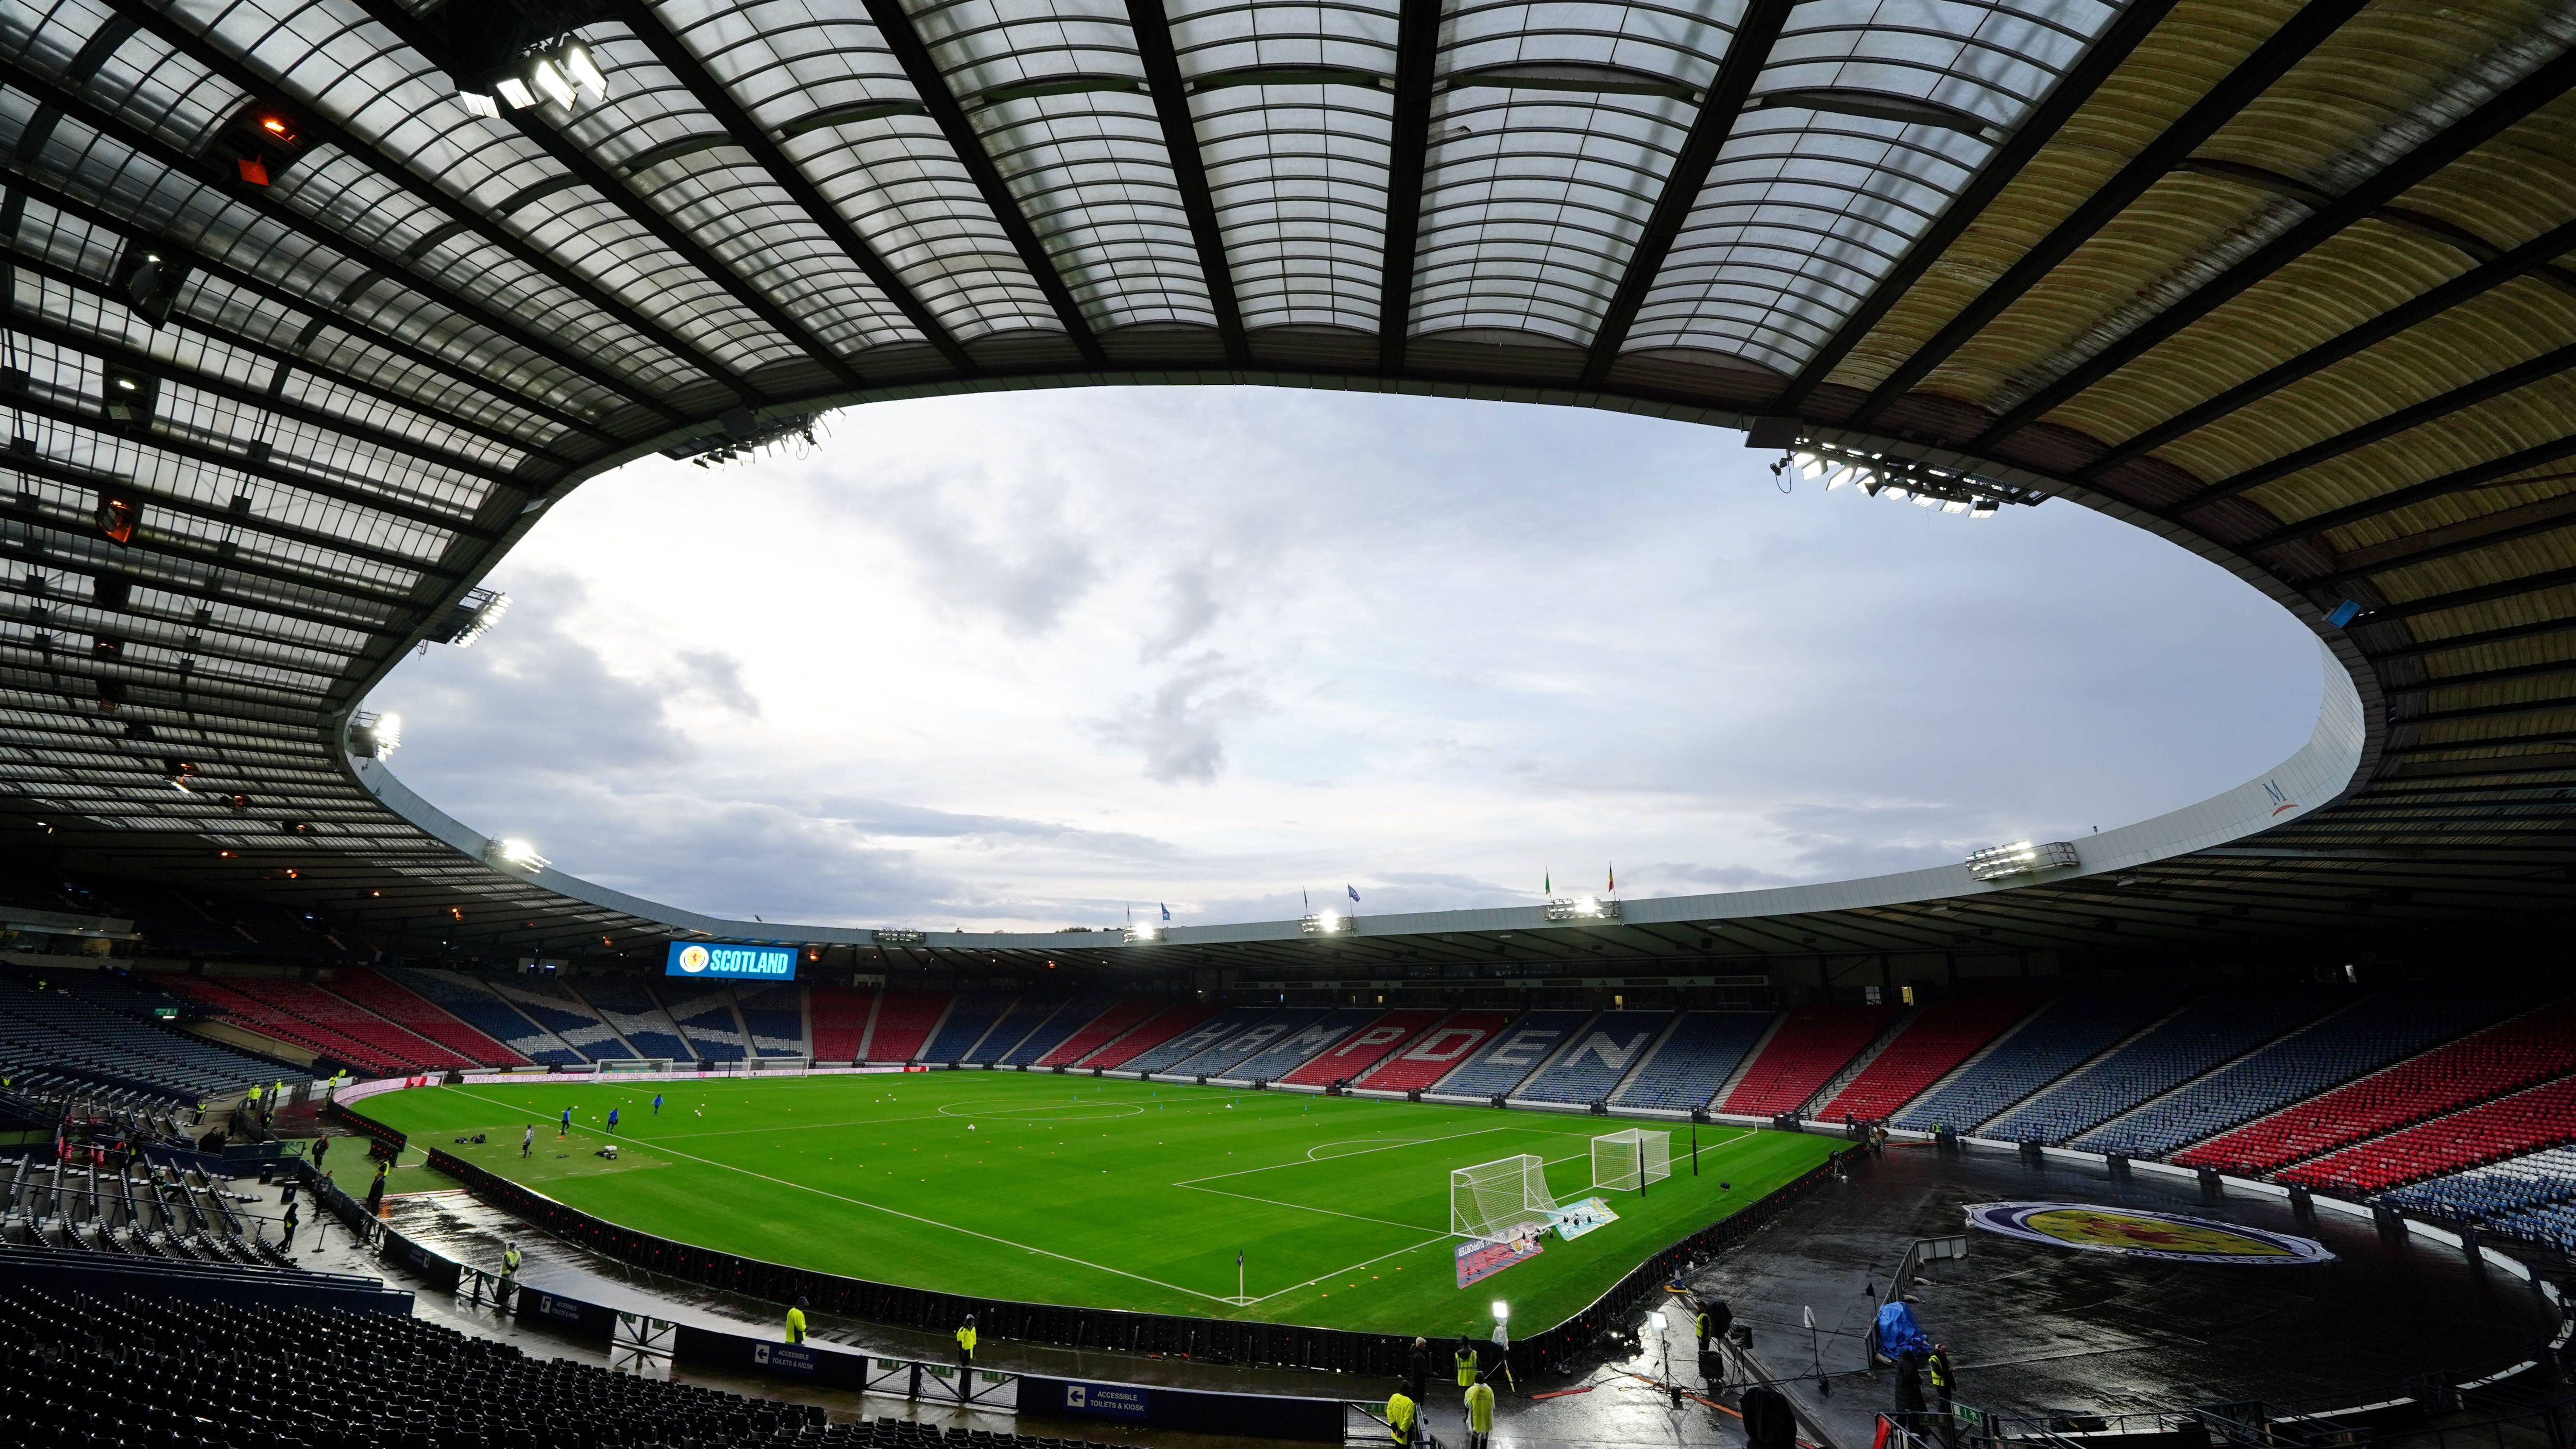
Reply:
x=1096, y=1193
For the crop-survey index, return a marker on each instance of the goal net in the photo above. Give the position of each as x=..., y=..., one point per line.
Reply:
x=610, y=1066
x=1629, y=1160
x=1490, y=1199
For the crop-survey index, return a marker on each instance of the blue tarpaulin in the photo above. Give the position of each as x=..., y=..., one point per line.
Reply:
x=1898, y=1333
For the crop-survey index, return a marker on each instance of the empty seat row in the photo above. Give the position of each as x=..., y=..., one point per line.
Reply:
x=2203, y=1035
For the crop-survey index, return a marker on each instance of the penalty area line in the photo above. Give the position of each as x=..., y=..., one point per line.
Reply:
x=915, y=1217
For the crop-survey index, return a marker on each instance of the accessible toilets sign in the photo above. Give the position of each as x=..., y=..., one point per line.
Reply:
x=733, y=963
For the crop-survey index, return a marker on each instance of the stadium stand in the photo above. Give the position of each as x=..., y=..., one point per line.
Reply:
x=137, y=1370
x=316, y=1004
x=1026, y=1014
x=569, y=1017
x=250, y=1013
x=2503, y=1058
x=1364, y=1048
x=136, y=1211
x=1057, y=1029
x=479, y=1007
x=1514, y=1053
x=399, y=1004
x=1182, y=1046
x=1686, y=1068
x=1933, y=1044
x=1287, y=1053
x=2554, y=1225
x=2496, y=1191
x=1418, y=1064
x=2203, y=1035
x=2359, y=1039
x=968, y=1021
x=704, y=1014
x=904, y=1023
x=840, y=1019
x=626, y=1004
x=1812, y=1044
x=100, y=1372
x=1118, y=1020
x=1597, y=1057
x=1154, y=1032
x=2526, y=1121
x=2066, y=1033
x=1221, y=1059
x=775, y=1016
x=56, y=1028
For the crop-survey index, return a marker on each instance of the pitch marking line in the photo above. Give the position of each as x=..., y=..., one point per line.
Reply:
x=912, y=1217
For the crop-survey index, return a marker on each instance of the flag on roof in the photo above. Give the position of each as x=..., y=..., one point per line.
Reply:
x=1354, y=890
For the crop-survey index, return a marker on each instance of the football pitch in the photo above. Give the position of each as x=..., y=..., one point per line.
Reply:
x=1096, y=1193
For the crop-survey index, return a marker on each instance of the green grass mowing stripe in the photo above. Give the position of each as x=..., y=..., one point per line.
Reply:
x=1095, y=1193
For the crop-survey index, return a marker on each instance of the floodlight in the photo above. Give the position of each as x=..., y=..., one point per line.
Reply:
x=388, y=734
x=585, y=71
x=515, y=92
x=1502, y=1311
x=2020, y=858
x=550, y=79
x=1582, y=908
x=1324, y=923
x=1144, y=934
x=480, y=104
x=514, y=854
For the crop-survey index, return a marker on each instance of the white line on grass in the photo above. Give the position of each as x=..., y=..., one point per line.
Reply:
x=910, y=1217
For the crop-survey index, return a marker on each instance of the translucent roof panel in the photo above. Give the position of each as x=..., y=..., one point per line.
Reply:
x=1293, y=105
x=1057, y=95
x=824, y=84
x=1867, y=118
x=1550, y=141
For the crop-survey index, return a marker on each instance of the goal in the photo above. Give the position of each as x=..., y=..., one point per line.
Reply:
x=1628, y=1160
x=1490, y=1199
x=611, y=1066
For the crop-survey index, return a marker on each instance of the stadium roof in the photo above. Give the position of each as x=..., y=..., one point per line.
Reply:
x=302, y=337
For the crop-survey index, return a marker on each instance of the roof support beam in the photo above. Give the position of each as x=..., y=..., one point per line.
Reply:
x=2505, y=109
x=2257, y=73
x=1417, y=60
x=748, y=133
x=74, y=477
x=1189, y=170
x=2482, y=637
x=1747, y=51
x=2455, y=547
x=73, y=339
x=2433, y=409
x=204, y=51
x=364, y=335
x=2497, y=472
x=922, y=70
x=244, y=464
x=2064, y=99
x=2476, y=282
x=116, y=127
x=2461, y=598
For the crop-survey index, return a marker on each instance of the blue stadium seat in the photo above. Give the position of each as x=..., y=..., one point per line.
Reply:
x=1599, y=1055
x=2070, y=1032
x=478, y=1007
x=626, y=1005
x=2360, y=1039
x=1514, y=1053
x=2201, y=1036
x=1704, y=1050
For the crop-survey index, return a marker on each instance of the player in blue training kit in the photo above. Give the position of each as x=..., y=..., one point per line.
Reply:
x=612, y=1119
x=657, y=1104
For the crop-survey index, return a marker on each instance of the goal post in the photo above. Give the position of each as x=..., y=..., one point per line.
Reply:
x=1490, y=1199
x=620, y=1066
x=1628, y=1161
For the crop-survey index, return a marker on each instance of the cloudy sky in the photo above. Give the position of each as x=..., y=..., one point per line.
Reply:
x=1019, y=660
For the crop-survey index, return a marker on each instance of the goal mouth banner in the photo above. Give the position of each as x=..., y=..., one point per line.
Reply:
x=1577, y=1218
x=1482, y=1258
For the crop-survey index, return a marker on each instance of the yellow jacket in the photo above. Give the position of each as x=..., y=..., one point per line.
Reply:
x=1480, y=1408
x=966, y=1341
x=795, y=1325
x=1399, y=1417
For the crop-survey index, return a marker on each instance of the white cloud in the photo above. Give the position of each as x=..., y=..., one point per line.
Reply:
x=1013, y=660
